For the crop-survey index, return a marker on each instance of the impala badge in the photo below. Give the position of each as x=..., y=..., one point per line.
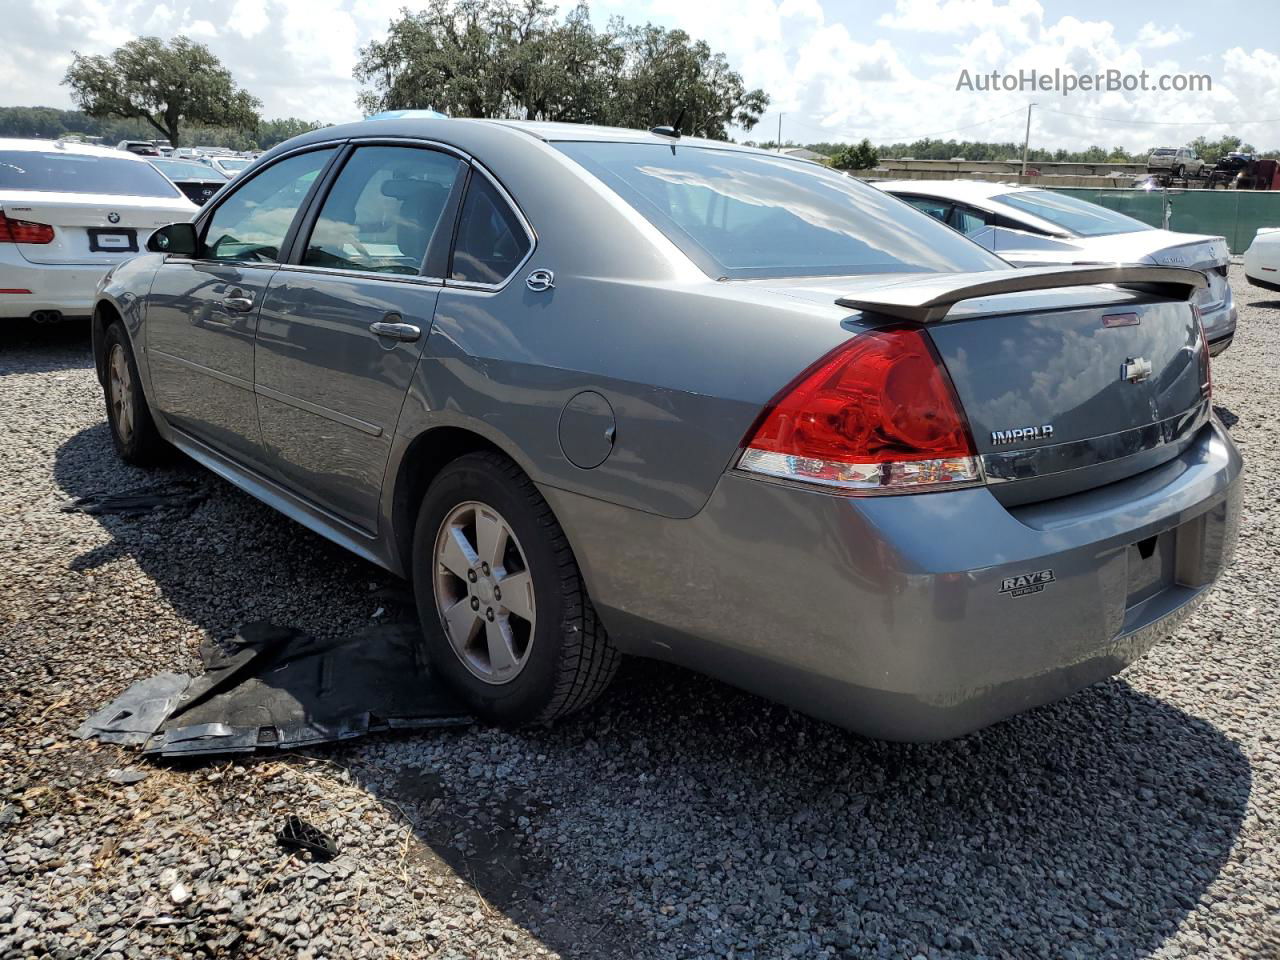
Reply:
x=1135, y=370
x=1017, y=434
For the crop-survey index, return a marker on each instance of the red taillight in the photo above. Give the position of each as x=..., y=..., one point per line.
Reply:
x=877, y=414
x=1206, y=370
x=24, y=231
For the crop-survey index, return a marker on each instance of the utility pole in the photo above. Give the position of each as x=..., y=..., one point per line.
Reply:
x=1026, y=141
x=779, y=131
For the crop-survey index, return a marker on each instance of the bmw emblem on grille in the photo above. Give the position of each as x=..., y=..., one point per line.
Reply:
x=113, y=217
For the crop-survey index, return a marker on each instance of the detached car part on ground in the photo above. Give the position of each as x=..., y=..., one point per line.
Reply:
x=68, y=212
x=1031, y=227
x=604, y=391
x=1262, y=259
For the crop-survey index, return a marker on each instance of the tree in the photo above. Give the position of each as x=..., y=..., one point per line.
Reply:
x=167, y=85
x=514, y=58
x=862, y=156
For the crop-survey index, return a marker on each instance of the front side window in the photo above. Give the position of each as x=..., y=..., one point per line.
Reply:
x=741, y=215
x=383, y=210
x=1078, y=217
x=50, y=171
x=251, y=224
x=491, y=241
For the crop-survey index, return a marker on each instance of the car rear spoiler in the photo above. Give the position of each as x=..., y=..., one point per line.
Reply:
x=928, y=298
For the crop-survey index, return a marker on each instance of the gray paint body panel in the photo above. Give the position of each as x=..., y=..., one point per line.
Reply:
x=894, y=630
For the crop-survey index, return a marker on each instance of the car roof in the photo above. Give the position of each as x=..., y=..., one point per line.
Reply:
x=440, y=129
x=66, y=146
x=970, y=190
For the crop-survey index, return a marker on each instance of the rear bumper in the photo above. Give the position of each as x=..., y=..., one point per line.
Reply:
x=903, y=617
x=1264, y=284
x=68, y=289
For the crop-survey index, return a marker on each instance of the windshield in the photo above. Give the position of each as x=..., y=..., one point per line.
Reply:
x=234, y=164
x=81, y=173
x=187, y=170
x=1078, y=217
x=741, y=215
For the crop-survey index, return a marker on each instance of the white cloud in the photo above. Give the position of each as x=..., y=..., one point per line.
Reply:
x=1154, y=37
x=835, y=72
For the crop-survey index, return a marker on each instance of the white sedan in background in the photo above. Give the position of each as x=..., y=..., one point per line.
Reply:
x=68, y=212
x=1031, y=227
x=1262, y=259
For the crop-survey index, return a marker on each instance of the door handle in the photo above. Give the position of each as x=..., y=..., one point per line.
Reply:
x=395, y=331
x=238, y=302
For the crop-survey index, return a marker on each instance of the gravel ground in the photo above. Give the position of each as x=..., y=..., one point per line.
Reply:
x=679, y=818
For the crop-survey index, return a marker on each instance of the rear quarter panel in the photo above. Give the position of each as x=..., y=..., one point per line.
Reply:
x=125, y=288
x=685, y=369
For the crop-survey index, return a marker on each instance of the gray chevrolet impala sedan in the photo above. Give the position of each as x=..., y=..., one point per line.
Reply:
x=601, y=392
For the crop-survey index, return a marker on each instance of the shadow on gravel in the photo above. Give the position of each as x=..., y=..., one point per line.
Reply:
x=681, y=817
x=27, y=347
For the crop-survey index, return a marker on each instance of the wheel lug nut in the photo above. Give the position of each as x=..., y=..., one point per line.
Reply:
x=489, y=613
x=471, y=575
x=485, y=568
x=497, y=593
x=475, y=603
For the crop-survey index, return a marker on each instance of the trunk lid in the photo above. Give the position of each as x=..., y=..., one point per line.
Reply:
x=91, y=228
x=1066, y=385
x=1061, y=400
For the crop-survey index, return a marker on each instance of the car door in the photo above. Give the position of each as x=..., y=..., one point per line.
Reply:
x=343, y=324
x=202, y=312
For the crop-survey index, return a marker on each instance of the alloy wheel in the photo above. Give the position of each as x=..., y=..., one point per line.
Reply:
x=484, y=592
x=121, y=385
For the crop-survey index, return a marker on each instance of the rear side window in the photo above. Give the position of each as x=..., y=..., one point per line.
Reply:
x=967, y=220
x=740, y=215
x=251, y=224
x=54, y=172
x=491, y=240
x=1079, y=217
x=383, y=210
x=938, y=209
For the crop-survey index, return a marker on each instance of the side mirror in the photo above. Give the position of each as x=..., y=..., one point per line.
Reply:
x=176, y=238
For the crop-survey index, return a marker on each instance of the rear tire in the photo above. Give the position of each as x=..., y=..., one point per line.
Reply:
x=534, y=654
x=133, y=431
x=1179, y=173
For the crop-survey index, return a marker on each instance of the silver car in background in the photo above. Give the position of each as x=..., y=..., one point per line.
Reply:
x=1032, y=227
x=601, y=391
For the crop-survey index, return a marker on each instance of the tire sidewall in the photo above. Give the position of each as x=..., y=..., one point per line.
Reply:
x=525, y=697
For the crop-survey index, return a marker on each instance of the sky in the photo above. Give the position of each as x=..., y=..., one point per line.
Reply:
x=887, y=69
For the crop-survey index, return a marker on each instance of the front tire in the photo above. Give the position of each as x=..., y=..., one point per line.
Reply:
x=506, y=620
x=133, y=431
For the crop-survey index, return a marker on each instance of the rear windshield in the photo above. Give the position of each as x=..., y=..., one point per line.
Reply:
x=55, y=172
x=1162, y=152
x=1079, y=217
x=744, y=215
x=234, y=164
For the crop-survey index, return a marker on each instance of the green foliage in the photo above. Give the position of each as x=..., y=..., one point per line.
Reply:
x=1211, y=151
x=52, y=124
x=168, y=86
x=503, y=58
x=860, y=156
